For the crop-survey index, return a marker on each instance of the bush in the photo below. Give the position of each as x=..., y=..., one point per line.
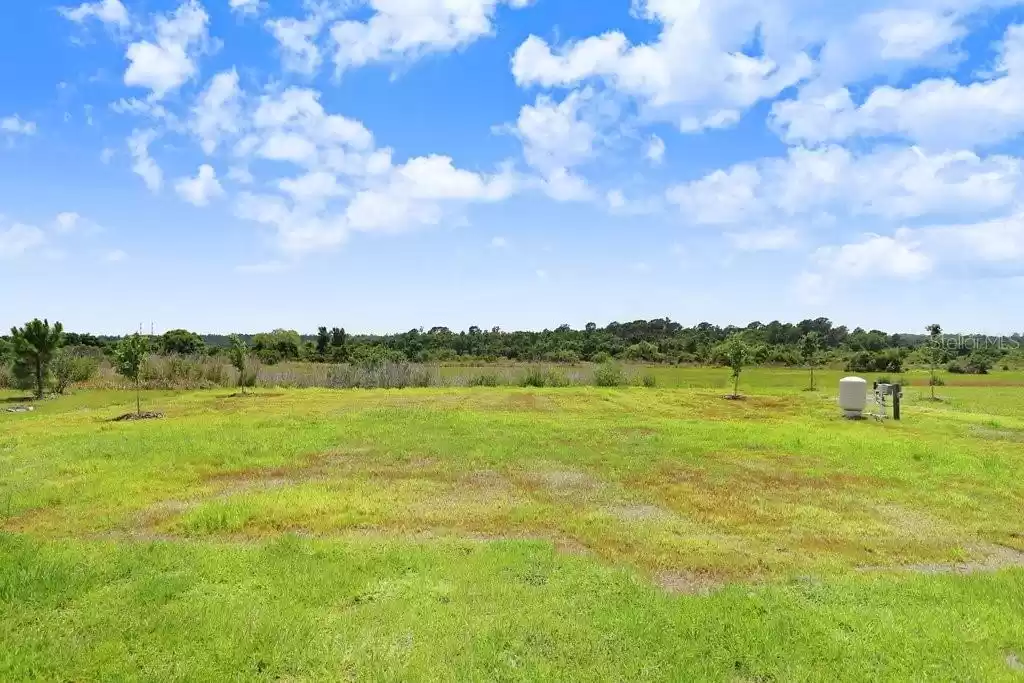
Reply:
x=649, y=380
x=567, y=356
x=955, y=368
x=534, y=377
x=936, y=382
x=488, y=379
x=609, y=375
x=67, y=369
x=602, y=357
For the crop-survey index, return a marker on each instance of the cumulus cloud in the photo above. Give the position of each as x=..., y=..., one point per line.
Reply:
x=890, y=183
x=398, y=31
x=200, y=190
x=939, y=113
x=693, y=70
x=143, y=165
x=246, y=6
x=18, y=239
x=15, y=125
x=655, y=152
x=165, y=65
x=106, y=11
x=68, y=221
x=217, y=111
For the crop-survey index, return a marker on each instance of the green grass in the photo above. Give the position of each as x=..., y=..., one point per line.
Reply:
x=514, y=534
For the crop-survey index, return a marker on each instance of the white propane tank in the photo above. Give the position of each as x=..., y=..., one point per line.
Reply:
x=853, y=396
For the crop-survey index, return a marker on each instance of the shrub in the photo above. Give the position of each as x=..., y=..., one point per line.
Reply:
x=649, y=380
x=955, y=368
x=567, y=356
x=936, y=382
x=67, y=369
x=609, y=375
x=554, y=378
x=488, y=379
x=534, y=377
x=602, y=357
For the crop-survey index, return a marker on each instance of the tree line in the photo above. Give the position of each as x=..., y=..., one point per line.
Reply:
x=643, y=341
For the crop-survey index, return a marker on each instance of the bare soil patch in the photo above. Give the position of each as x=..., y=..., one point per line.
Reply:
x=994, y=558
x=640, y=513
x=687, y=583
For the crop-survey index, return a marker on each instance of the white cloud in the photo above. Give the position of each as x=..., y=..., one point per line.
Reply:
x=67, y=221
x=143, y=165
x=499, y=243
x=15, y=125
x=406, y=30
x=19, y=239
x=720, y=198
x=897, y=256
x=888, y=183
x=107, y=155
x=655, y=150
x=107, y=11
x=137, y=107
x=200, y=190
x=297, y=40
x=218, y=110
x=939, y=113
x=315, y=186
x=291, y=147
x=115, y=256
x=246, y=6
x=564, y=186
x=767, y=240
x=554, y=134
x=241, y=174
x=694, y=69
x=164, y=66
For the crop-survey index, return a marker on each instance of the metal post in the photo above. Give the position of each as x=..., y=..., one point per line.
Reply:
x=897, y=394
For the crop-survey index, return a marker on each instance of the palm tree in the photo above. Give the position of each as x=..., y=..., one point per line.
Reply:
x=35, y=344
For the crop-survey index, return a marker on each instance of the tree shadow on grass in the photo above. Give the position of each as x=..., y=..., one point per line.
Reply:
x=18, y=399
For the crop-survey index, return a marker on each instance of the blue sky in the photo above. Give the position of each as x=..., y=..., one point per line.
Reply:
x=238, y=165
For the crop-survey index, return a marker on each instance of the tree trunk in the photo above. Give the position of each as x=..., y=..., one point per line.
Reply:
x=39, y=378
x=138, y=399
x=812, y=378
x=736, y=385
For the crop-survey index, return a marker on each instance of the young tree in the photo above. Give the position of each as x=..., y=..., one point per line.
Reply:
x=810, y=347
x=129, y=357
x=934, y=352
x=34, y=344
x=238, y=352
x=736, y=353
x=323, y=340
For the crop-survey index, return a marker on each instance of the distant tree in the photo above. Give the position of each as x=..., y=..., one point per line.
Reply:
x=129, y=357
x=736, y=353
x=34, y=345
x=182, y=342
x=339, y=345
x=810, y=347
x=238, y=352
x=323, y=340
x=934, y=352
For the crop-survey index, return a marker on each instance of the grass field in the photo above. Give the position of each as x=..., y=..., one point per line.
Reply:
x=515, y=534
